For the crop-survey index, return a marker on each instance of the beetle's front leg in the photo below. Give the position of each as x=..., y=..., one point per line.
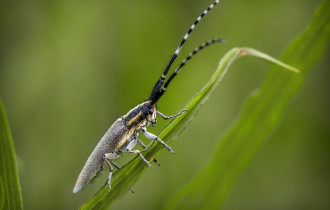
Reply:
x=170, y=117
x=154, y=137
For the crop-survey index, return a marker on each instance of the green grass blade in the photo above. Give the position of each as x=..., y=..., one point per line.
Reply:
x=260, y=117
x=126, y=177
x=10, y=190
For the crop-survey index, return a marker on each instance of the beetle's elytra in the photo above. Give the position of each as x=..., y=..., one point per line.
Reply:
x=123, y=136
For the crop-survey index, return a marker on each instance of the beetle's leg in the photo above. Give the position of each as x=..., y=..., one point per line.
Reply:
x=149, y=146
x=115, y=164
x=110, y=174
x=131, y=145
x=141, y=156
x=142, y=144
x=144, y=147
x=118, y=167
x=109, y=177
x=139, y=140
x=154, y=137
x=170, y=117
x=110, y=156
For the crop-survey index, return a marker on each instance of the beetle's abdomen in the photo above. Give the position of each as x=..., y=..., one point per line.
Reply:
x=116, y=134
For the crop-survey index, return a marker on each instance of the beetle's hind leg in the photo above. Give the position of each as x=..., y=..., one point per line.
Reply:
x=110, y=175
x=118, y=167
x=115, y=164
x=107, y=157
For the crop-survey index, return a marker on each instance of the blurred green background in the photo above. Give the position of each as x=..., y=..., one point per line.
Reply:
x=68, y=69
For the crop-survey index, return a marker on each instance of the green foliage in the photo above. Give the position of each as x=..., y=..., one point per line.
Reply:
x=260, y=117
x=10, y=191
x=124, y=178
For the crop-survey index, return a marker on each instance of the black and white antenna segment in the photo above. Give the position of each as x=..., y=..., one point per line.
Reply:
x=158, y=90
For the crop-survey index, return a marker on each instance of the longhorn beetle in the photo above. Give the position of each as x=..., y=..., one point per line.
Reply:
x=122, y=136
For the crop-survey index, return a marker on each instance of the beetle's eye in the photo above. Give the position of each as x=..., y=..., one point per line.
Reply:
x=150, y=109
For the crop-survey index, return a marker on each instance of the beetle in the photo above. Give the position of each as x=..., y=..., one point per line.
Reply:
x=123, y=136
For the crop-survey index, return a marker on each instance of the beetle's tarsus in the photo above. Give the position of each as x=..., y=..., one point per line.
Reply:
x=147, y=162
x=141, y=156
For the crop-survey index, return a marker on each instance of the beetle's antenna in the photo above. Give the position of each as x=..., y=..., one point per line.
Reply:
x=156, y=93
x=202, y=46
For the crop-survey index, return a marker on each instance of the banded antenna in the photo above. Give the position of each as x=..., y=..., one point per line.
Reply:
x=202, y=46
x=157, y=92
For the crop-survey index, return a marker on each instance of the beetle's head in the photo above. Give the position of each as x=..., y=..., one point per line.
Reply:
x=150, y=111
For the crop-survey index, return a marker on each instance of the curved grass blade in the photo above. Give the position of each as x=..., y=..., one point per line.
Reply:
x=125, y=178
x=260, y=117
x=10, y=190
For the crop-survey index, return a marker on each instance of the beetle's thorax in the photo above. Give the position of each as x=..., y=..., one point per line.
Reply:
x=141, y=115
